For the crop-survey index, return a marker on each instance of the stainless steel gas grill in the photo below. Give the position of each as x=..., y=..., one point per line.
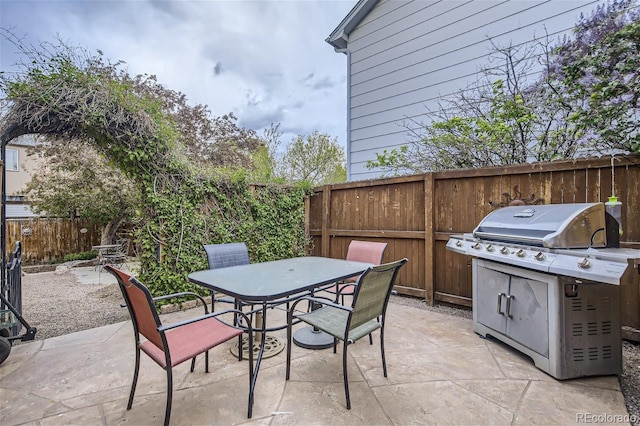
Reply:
x=546, y=281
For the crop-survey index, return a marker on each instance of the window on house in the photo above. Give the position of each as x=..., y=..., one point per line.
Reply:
x=12, y=160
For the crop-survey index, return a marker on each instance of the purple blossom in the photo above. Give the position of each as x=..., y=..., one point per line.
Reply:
x=627, y=97
x=628, y=78
x=588, y=139
x=588, y=79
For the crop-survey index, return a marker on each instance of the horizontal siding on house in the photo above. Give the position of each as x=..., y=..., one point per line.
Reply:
x=424, y=30
x=408, y=55
x=377, y=26
x=392, y=111
x=360, y=157
x=19, y=211
x=464, y=48
x=369, y=25
x=384, y=140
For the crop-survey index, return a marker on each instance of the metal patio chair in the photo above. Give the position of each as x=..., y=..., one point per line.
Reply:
x=118, y=256
x=223, y=256
x=172, y=344
x=350, y=323
x=359, y=251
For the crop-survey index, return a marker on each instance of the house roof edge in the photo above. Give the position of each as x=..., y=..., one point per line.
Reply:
x=340, y=36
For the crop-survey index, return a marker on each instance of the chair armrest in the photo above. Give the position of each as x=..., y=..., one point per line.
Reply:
x=248, y=327
x=183, y=293
x=322, y=301
x=172, y=295
x=343, y=285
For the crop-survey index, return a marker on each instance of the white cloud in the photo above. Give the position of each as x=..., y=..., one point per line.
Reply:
x=265, y=61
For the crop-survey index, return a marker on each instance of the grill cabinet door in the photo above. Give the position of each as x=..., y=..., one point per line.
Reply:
x=493, y=286
x=529, y=324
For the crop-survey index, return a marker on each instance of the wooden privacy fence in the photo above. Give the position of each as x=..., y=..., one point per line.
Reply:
x=416, y=215
x=48, y=240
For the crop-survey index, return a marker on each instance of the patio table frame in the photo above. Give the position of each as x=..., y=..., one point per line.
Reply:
x=275, y=281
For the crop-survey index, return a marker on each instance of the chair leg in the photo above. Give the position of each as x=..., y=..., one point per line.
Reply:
x=384, y=362
x=344, y=374
x=206, y=362
x=167, y=413
x=135, y=379
x=251, y=381
x=193, y=363
x=289, y=332
x=370, y=336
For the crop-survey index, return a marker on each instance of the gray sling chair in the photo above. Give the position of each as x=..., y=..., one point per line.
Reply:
x=234, y=254
x=223, y=256
x=350, y=323
x=172, y=344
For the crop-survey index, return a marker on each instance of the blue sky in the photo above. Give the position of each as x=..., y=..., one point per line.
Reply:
x=265, y=61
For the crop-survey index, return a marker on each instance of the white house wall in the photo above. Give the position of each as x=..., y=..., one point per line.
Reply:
x=405, y=56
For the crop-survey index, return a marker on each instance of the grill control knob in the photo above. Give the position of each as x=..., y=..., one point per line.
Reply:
x=490, y=247
x=504, y=250
x=459, y=243
x=476, y=246
x=539, y=256
x=584, y=264
x=521, y=253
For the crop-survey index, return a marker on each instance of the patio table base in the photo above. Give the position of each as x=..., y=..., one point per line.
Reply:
x=309, y=338
x=272, y=347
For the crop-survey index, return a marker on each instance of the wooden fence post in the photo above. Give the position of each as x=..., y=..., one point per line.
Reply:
x=429, y=238
x=326, y=221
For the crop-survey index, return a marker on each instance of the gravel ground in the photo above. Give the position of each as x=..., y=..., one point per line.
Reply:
x=58, y=304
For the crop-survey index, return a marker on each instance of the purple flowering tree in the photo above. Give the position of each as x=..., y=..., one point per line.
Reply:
x=597, y=73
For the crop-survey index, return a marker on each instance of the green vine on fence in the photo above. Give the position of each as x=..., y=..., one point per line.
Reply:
x=68, y=95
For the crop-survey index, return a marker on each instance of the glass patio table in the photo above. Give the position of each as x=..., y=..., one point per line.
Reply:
x=268, y=282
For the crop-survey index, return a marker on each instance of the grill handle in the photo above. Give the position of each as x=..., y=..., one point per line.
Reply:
x=509, y=299
x=500, y=303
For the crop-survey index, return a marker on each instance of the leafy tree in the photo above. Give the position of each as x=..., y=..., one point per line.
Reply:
x=265, y=159
x=499, y=119
x=315, y=158
x=219, y=142
x=75, y=180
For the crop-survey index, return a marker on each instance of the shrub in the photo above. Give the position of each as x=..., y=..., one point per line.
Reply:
x=87, y=255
